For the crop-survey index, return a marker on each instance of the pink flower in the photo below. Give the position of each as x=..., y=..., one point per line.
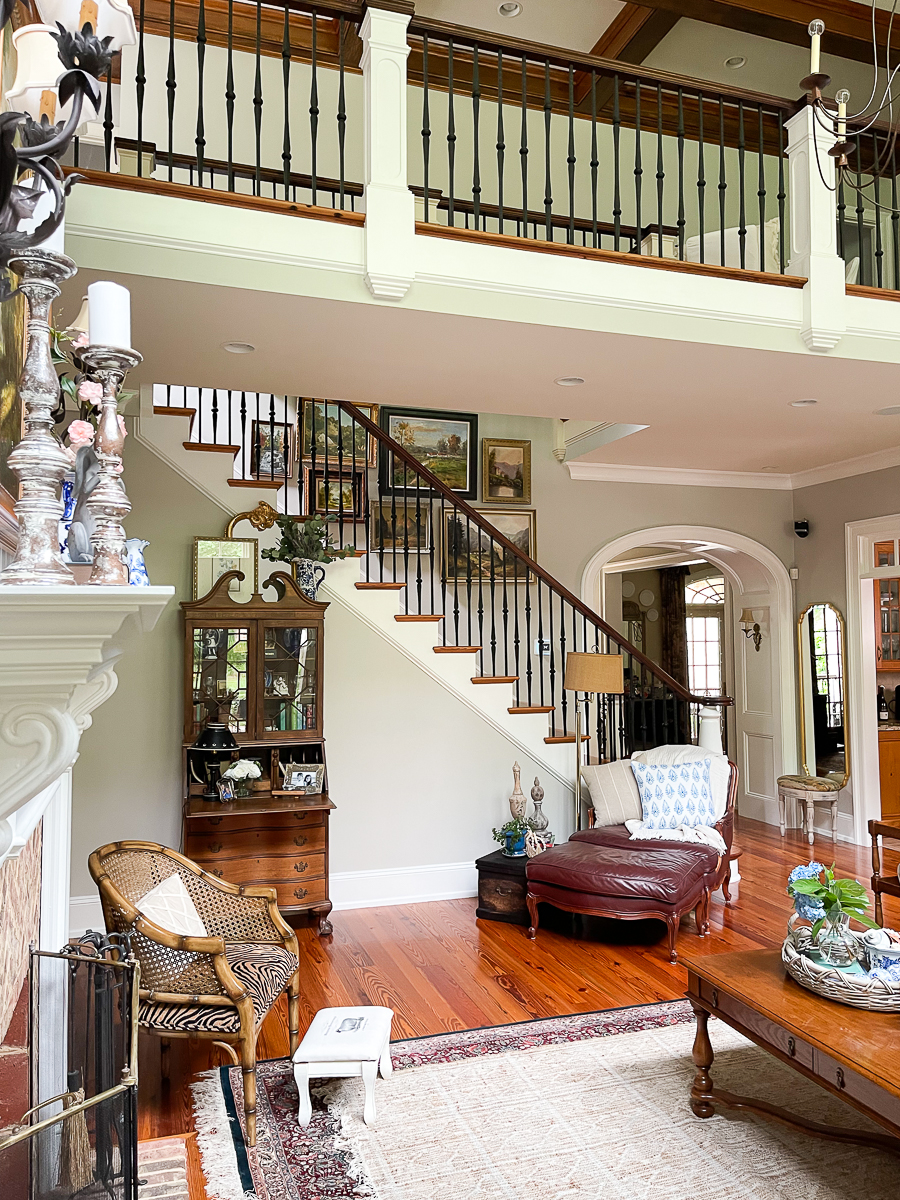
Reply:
x=81, y=340
x=122, y=429
x=80, y=433
x=90, y=392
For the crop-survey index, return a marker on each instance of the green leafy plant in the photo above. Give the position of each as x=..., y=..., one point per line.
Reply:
x=516, y=828
x=308, y=538
x=836, y=896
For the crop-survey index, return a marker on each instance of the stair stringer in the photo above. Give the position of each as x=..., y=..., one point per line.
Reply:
x=416, y=641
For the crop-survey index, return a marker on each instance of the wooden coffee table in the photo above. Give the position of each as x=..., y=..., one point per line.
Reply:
x=851, y=1053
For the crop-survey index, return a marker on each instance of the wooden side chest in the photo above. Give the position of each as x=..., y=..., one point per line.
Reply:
x=501, y=888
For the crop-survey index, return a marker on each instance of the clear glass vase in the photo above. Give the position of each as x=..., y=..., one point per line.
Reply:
x=837, y=943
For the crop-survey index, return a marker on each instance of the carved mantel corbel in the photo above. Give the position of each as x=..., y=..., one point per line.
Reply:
x=58, y=650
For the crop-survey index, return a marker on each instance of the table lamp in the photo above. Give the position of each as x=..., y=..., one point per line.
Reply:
x=590, y=674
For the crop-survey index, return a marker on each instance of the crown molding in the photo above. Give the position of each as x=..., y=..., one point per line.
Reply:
x=678, y=476
x=863, y=464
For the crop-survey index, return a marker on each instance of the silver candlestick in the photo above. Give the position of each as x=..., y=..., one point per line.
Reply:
x=39, y=460
x=108, y=502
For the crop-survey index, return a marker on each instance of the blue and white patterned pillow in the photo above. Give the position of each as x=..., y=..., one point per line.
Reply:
x=675, y=795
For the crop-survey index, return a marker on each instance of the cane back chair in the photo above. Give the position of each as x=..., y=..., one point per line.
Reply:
x=218, y=987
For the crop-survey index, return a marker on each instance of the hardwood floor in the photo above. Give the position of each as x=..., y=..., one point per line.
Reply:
x=440, y=970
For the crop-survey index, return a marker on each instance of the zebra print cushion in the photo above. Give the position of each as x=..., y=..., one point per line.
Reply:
x=263, y=970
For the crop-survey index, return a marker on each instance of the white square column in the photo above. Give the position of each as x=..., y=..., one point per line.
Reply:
x=813, y=210
x=390, y=205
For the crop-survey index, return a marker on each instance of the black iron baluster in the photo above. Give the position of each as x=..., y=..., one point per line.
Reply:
x=215, y=414
x=258, y=102
x=230, y=95
x=723, y=182
x=505, y=615
x=469, y=568
x=860, y=212
x=571, y=156
x=272, y=439
x=876, y=180
x=448, y=563
x=548, y=197
x=782, y=195
x=528, y=642
x=426, y=119
x=171, y=85
x=895, y=217
x=523, y=151
x=501, y=144
x=552, y=671
x=314, y=110
x=476, y=114
x=660, y=171
x=516, y=641
x=638, y=166
x=431, y=546
x=341, y=112
x=286, y=89
x=617, y=195
x=493, y=611
x=200, y=139
x=742, y=202
x=140, y=82
x=681, y=219
x=761, y=191
x=464, y=548
x=406, y=539
x=540, y=644
x=595, y=162
x=340, y=473
x=245, y=474
x=418, y=546
x=564, y=704
x=451, y=138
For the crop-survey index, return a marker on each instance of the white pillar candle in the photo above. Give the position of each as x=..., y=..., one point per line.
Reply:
x=109, y=315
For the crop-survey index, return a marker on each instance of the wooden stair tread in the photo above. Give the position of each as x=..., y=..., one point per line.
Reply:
x=388, y=587
x=532, y=708
x=494, y=678
x=419, y=617
x=271, y=484
x=456, y=649
x=215, y=447
x=556, y=739
x=163, y=410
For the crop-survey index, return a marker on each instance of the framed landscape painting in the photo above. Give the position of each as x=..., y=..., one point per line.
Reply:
x=505, y=471
x=335, y=495
x=470, y=552
x=399, y=527
x=319, y=424
x=444, y=442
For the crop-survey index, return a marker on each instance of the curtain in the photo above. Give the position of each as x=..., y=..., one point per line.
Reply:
x=674, y=622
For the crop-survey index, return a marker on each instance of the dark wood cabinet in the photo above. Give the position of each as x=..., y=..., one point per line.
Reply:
x=501, y=888
x=256, y=667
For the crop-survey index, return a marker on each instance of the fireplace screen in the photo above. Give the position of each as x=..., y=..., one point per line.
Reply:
x=79, y=1138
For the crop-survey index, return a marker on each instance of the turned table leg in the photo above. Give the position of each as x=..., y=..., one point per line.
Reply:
x=702, y=1054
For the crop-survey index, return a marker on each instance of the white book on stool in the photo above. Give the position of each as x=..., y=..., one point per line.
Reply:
x=344, y=1043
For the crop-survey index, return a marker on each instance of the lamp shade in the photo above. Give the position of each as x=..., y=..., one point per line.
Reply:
x=747, y=620
x=107, y=18
x=215, y=737
x=37, y=70
x=594, y=673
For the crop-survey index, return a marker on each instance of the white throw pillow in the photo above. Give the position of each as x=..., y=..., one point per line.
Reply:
x=712, y=247
x=614, y=794
x=675, y=796
x=719, y=768
x=169, y=906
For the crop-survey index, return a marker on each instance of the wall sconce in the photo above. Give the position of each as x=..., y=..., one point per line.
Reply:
x=751, y=627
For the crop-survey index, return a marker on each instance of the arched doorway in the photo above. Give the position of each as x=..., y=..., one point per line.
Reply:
x=764, y=727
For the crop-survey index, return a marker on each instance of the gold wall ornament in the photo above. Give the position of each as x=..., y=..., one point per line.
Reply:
x=261, y=517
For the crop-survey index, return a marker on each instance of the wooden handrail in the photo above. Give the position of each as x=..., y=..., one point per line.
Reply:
x=472, y=514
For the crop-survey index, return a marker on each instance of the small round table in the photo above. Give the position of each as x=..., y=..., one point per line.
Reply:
x=808, y=791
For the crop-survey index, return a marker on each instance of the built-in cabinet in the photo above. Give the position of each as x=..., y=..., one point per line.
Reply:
x=887, y=612
x=257, y=667
x=889, y=762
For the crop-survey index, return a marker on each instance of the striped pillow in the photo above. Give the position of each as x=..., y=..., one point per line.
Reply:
x=615, y=798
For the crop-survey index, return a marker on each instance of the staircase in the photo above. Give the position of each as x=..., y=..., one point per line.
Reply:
x=431, y=575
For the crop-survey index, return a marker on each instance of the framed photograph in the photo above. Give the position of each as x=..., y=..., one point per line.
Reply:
x=505, y=471
x=334, y=494
x=225, y=788
x=304, y=777
x=270, y=458
x=335, y=434
x=399, y=526
x=216, y=556
x=468, y=551
x=444, y=442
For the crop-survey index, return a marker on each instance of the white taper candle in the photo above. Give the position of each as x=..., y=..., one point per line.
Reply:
x=109, y=315
x=816, y=29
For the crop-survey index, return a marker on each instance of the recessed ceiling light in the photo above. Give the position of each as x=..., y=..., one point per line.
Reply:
x=735, y=62
x=803, y=403
x=569, y=380
x=769, y=468
x=509, y=10
x=892, y=411
x=238, y=347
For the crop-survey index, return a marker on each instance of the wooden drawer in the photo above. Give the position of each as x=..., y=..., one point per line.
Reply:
x=265, y=870
x=234, y=823
x=502, y=898
x=857, y=1087
x=299, y=894
x=254, y=843
x=727, y=1006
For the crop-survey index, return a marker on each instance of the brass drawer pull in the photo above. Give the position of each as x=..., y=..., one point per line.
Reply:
x=214, y=820
x=216, y=873
x=215, y=847
x=715, y=997
x=839, y=1077
x=506, y=891
x=301, y=892
x=300, y=867
x=300, y=840
x=792, y=1048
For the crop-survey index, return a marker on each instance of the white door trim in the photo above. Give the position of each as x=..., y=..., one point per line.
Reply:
x=860, y=539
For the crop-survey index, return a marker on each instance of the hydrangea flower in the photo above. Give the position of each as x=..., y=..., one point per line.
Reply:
x=805, y=906
x=242, y=769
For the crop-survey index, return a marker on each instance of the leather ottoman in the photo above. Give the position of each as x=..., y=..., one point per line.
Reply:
x=603, y=873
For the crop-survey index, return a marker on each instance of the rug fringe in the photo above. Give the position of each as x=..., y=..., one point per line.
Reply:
x=214, y=1140
x=340, y=1110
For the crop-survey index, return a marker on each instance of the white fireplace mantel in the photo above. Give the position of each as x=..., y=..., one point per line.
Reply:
x=58, y=649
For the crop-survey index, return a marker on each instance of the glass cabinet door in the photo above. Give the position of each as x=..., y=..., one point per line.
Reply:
x=888, y=645
x=219, y=677
x=290, y=684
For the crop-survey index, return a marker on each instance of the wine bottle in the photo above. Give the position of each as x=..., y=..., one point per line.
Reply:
x=883, y=714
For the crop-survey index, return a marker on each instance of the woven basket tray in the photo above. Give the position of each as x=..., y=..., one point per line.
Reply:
x=858, y=991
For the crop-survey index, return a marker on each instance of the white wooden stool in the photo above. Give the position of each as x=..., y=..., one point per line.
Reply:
x=343, y=1043
x=808, y=791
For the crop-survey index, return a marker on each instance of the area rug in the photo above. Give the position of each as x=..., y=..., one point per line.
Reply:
x=571, y=1108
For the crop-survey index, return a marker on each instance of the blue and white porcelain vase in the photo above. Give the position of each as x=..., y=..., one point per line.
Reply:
x=137, y=571
x=309, y=575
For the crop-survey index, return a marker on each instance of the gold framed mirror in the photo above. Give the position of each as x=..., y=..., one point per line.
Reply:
x=822, y=662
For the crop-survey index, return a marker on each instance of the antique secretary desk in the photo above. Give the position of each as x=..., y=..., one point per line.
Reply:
x=256, y=668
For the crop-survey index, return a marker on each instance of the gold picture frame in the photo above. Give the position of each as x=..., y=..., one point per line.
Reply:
x=314, y=417
x=505, y=471
x=214, y=556
x=464, y=543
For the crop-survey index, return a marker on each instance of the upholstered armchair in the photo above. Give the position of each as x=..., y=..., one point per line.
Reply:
x=219, y=966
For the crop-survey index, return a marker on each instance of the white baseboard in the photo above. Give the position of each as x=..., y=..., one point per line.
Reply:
x=349, y=889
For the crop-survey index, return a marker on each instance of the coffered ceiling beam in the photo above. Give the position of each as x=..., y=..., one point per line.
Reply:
x=631, y=36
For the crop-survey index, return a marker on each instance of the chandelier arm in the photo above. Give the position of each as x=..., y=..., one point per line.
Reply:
x=60, y=143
